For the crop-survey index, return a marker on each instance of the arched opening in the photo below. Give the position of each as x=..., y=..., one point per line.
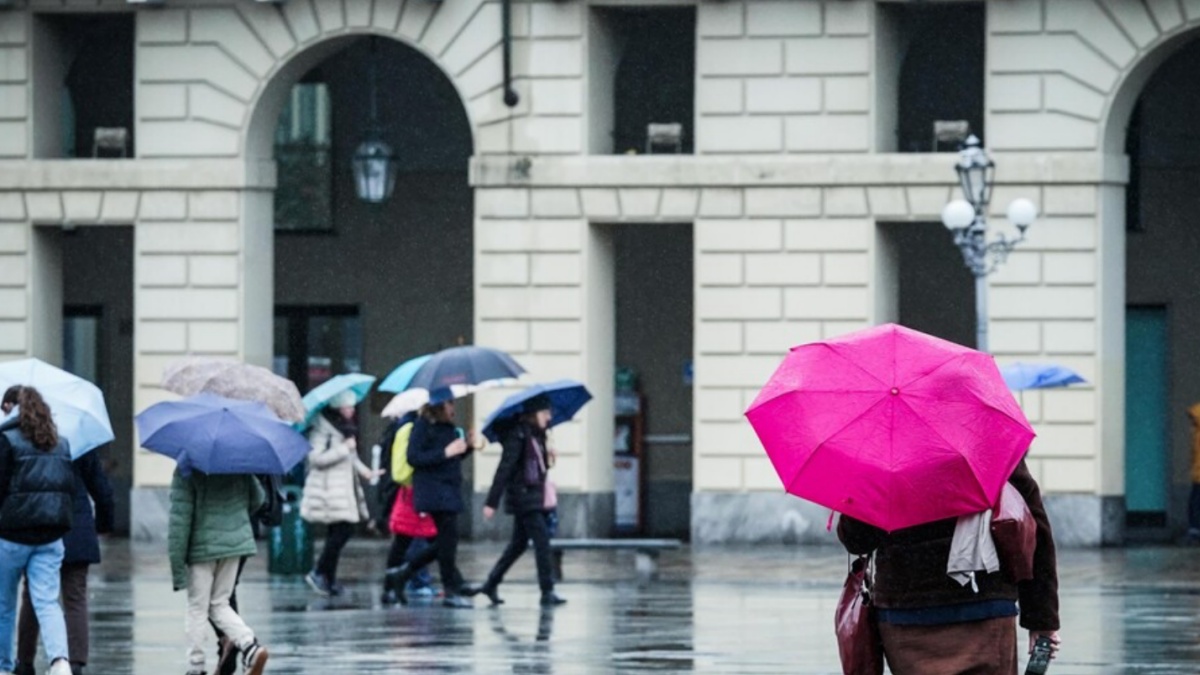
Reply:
x=1162, y=303
x=359, y=287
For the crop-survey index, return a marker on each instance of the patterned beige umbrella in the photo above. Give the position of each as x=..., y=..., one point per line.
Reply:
x=193, y=375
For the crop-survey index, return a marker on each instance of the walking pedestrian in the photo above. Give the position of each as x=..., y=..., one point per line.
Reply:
x=37, y=488
x=929, y=623
x=436, y=449
x=333, y=495
x=81, y=550
x=410, y=530
x=209, y=534
x=1193, y=531
x=521, y=476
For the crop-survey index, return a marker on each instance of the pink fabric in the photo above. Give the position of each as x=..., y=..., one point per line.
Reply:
x=891, y=426
x=550, y=501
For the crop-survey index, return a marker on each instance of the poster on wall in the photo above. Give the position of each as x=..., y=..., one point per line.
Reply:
x=625, y=485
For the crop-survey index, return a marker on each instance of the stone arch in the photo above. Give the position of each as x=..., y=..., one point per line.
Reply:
x=214, y=74
x=1123, y=96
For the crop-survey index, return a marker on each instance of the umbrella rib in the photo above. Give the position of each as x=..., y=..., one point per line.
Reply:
x=852, y=362
x=935, y=430
x=800, y=469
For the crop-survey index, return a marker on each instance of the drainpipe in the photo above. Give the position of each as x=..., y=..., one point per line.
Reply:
x=510, y=95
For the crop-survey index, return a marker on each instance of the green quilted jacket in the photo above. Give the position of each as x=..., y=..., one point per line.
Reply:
x=210, y=520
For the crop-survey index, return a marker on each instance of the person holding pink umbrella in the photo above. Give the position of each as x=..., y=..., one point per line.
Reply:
x=903, y=433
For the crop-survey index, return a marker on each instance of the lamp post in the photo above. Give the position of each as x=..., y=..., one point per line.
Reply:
x=967, y=220
x=374, y=163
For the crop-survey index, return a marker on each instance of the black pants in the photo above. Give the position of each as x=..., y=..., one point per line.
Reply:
x=1194, y=507
x=335, y=540
x=444, y=550
x=528, y=526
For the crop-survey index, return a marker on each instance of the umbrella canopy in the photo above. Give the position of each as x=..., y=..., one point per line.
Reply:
x=465, y=365
x=567, y=397
x=408, y=401
x=891, y=426
x=230, y=379
x=318, y=398
x=76, y=405
x=1022, y=376
x=214, y=434
x=397, y=380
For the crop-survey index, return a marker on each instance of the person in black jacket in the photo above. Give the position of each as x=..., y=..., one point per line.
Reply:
x=522, y=476
x=37, y=488
x=436, y=451
x=82, y=549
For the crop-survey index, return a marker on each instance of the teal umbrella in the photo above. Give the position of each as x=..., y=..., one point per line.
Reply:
x=397, y=381
x=317, y=399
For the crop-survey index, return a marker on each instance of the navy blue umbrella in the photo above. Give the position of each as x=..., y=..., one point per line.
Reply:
x=566, y=398
x=464, y=366
x=220, y=435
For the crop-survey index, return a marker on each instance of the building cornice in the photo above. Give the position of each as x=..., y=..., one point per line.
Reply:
x=1070, y=168
x=136, y=174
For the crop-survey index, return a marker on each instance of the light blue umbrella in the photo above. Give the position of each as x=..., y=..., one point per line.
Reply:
x=1022, y=376
x=317, y=399
x=214, y=434
x=397, y=381
x=76, y=405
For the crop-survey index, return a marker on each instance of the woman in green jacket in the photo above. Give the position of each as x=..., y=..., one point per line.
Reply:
x=209, y=533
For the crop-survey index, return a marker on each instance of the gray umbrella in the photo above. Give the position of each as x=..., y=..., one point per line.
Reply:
x=193, y=375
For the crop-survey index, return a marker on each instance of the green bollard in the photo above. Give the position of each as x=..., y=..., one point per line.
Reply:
x=291, y=544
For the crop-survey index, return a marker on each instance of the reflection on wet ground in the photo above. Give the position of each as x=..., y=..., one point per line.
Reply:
x=753, y=610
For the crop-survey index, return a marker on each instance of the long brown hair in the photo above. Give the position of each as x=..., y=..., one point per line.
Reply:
x=35, y=421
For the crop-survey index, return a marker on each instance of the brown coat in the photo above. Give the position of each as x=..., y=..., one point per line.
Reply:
x=910, y=565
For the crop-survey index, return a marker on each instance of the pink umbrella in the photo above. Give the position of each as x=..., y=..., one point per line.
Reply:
x=891, y=426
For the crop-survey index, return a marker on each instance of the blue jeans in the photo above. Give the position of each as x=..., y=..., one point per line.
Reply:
x=40, y=565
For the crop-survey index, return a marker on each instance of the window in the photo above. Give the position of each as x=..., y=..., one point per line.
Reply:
x=646, y=103
x=83, y=82
x=303, y=154
x=930, y=74
x=312, y=344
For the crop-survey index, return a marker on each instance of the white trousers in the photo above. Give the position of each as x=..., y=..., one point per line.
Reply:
x=209, y=586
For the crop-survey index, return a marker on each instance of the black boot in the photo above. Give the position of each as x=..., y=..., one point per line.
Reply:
x=490, y=588
x=77, y=668
x=394, y=582
x=551, y=599
x=24, y=669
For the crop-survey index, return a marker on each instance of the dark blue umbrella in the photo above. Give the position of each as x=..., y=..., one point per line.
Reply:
x=464, y=365
x=1022, y=376
x=214, y=434
x=566, y=398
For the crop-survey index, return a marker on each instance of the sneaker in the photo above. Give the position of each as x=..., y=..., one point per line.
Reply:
x=227, y=663
x=421, y=591
x=60, y=667
x=319, y=583
x=23, y=669
x=254, y=659
x=551, y=599
x=337, y=590
x=457, y=602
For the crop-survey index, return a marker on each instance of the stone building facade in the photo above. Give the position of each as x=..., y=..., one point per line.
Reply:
x=794, y=174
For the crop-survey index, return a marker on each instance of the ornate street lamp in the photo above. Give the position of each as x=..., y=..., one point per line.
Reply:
x=967, y=221
x=374, y=162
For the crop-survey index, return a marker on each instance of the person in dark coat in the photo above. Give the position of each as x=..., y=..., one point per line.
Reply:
x=521, y=478
x=82, y=549
x=436, y=450
x=37, y=489
x=932, y=625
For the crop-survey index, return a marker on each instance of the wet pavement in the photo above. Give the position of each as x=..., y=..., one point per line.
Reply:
x=720, y=610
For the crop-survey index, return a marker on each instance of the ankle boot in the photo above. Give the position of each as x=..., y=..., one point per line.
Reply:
x=551, y=599
x=490, y=588
x=394, y=581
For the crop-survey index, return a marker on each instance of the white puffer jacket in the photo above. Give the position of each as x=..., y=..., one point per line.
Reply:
x=332, y=491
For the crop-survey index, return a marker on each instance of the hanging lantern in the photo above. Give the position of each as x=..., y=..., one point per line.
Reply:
x=374, y=163
x=374, y=167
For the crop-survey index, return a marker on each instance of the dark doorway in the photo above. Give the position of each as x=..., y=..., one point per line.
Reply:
x=312, y=344
x=98, y=338
x=933, y=290
x=654, y=307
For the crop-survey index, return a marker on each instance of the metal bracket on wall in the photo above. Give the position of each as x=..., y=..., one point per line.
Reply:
x=511, y=98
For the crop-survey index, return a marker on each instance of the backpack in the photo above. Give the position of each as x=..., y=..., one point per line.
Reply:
x=401, y=470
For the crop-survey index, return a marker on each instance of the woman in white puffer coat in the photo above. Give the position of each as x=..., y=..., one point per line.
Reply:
x=333, y=495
